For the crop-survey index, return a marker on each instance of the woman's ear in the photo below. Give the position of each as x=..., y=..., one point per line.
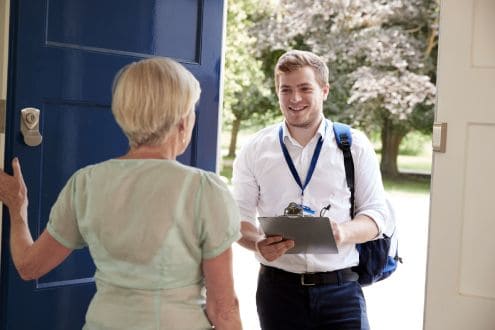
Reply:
x=181, y=125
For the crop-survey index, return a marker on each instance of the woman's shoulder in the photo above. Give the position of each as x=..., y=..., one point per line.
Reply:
x=140, y=167
x=203, y=177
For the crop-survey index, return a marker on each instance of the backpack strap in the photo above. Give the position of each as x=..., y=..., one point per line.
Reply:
x=344, y=141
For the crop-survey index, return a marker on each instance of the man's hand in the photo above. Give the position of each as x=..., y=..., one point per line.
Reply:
x=273, y=247
x=338, y=233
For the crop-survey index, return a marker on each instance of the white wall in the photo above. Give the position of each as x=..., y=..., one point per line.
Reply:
x=4, y=38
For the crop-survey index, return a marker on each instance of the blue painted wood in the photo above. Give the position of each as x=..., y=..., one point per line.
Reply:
x=63, y=57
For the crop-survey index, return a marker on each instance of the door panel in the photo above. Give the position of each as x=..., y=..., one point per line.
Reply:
x=64, y=55
x=155, y=27
x=460, y=290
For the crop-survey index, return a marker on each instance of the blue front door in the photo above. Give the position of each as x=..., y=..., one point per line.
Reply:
x=63, y=57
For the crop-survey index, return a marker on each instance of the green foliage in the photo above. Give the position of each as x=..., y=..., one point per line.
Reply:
x=413, y=144
x=247, y=93
x=381, y=54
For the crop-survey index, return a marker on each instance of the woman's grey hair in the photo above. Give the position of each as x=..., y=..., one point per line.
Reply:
x=150, y=97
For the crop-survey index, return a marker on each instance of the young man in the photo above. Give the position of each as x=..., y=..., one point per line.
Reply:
x=307, y=291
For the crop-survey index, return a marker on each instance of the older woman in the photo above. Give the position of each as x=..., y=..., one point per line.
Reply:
x=156, y=229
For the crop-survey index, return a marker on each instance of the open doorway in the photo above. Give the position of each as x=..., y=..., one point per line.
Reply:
x=397, y=302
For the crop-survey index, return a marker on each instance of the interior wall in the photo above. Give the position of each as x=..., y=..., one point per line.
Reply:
x=4, y=39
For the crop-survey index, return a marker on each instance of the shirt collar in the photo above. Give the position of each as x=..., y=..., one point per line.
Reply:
x=320, y=132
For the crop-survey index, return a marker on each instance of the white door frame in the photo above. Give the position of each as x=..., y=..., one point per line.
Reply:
x=4, y=45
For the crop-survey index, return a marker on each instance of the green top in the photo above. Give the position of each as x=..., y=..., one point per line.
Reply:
x=148, y=224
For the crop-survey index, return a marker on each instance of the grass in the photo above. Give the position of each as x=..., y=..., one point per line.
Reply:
x=417, y=164
x=226, y=170
x=413, y=185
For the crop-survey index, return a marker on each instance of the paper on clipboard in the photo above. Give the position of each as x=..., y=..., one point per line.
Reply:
x=311, y=234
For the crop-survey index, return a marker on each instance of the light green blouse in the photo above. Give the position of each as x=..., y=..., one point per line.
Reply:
x=148, y=225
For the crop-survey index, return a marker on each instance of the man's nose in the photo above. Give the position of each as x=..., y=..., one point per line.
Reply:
x=295, y=97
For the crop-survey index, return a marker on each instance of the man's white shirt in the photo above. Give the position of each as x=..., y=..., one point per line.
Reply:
x=264, y=186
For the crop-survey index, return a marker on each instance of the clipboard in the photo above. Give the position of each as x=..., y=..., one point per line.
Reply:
x=312, y=235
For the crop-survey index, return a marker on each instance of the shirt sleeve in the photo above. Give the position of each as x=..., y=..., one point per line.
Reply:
x=245, y=186
x=62, y=224
x=370, y=194
x=218, y=215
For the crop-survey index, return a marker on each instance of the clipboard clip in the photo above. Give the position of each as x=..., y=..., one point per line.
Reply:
x=294, y=209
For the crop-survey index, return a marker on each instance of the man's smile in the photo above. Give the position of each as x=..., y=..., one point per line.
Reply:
x=299, y=108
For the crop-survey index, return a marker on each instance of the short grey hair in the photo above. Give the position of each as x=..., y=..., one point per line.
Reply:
x=149, y=97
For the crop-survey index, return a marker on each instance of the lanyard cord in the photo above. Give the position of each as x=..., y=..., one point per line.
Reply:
x=290, y=163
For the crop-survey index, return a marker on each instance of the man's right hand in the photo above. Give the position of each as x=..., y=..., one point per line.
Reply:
x=273, y=247
x=270, y=248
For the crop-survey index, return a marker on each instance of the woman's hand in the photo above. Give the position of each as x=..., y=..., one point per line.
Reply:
x=13, y=191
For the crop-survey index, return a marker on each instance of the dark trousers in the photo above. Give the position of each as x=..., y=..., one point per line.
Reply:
x=285, y=304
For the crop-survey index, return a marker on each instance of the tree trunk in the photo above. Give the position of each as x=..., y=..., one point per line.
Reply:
x=236, y=125
x=391, y=137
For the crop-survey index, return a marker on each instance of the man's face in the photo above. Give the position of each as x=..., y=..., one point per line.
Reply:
x=301, y=97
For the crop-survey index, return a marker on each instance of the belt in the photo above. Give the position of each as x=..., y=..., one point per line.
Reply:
x=310, y=279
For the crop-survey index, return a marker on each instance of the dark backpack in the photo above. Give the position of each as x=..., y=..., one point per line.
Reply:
x=379, y=258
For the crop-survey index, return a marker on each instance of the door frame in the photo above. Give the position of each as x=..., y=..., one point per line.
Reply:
x=4, y=51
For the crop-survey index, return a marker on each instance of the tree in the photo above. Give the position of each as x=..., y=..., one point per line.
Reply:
x=247, y=95
x=381, y=56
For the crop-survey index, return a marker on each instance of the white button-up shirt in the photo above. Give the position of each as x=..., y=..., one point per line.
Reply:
x=264, y=186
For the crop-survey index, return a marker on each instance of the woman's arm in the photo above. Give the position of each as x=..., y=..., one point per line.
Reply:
x=31, y=259
x=222, y=306
x=34, y=259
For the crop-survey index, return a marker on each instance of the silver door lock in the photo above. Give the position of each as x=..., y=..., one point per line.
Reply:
x=30, y=123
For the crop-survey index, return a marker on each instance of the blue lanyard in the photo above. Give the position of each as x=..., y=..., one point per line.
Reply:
x=290, y=163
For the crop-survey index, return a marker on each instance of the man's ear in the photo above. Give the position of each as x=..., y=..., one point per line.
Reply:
x=326, y=90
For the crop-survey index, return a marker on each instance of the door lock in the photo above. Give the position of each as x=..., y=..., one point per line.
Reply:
x=30, y=123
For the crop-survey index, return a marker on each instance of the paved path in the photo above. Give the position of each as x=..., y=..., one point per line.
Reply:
x=397, y=302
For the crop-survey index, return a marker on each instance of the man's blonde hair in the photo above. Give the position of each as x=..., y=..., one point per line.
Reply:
x=296, y=59
x=149, y=97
